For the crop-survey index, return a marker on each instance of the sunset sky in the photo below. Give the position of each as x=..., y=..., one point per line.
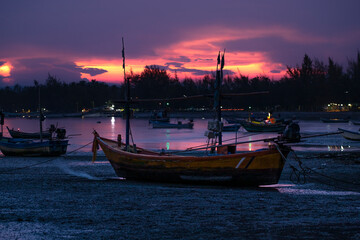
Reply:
x=75, y=39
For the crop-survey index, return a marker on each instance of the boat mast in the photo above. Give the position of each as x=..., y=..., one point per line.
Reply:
x=127, y=99
x=41, y=117
x=217, y=95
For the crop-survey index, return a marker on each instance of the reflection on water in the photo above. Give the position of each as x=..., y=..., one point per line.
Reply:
x=179, y=139
x=112, y=123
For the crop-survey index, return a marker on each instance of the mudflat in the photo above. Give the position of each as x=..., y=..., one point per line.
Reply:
x=73, y=198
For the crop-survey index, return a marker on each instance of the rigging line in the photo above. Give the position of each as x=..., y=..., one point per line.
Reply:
x=230, y=144
x=282, y=155
x=332, y=185
x=321, y=134
x=298, y=173
x=230, y=139
x=323, y=175
x=332, y=178
x=29, y=166
x=131, y=135
x=48, y=160
x=77, y=149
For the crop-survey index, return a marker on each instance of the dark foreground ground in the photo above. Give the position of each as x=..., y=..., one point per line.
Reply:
x=75, y=199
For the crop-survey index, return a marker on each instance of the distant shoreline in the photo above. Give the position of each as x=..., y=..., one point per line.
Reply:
x=204, y=114
x=284, y=115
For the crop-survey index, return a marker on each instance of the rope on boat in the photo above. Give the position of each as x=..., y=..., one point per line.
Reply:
x=296, y=176
x=329, y=177
x=46, y=161
x=308, y=172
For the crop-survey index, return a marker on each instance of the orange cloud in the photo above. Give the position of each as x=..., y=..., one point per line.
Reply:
x=115, y=72
x=249, y=64
x=201, y=47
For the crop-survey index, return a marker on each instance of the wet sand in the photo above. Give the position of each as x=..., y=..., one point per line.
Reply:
x=72, y=198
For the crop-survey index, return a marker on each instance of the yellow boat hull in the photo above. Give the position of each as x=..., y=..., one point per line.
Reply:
x=244, y=169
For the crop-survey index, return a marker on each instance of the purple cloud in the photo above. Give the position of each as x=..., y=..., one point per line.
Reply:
x=180, y=59
x=27, y=70
x=92, y=71
x=90, y=29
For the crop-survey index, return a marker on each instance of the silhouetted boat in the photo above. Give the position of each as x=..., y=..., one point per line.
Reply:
x=255, y=126
x=350, y=135
x=231, y=128
x=28, y=147
x=178, y=125
x=159, y=116
x=334, y=120
x=234, y=120
x=31, y=147
x=92, y=115
x=26, y=135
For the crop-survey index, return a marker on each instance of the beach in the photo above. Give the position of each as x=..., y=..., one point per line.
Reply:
x=73, y=198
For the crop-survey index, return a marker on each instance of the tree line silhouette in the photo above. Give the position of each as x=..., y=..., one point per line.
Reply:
x=306, y=87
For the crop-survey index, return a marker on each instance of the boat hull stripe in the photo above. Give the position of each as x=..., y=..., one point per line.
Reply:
x=241, y=160
x=249, y=162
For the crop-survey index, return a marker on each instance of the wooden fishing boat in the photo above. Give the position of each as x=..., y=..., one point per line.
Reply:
x=28, y=147
x=350, y=135
x=225, y=166
x=178, y=125
x=334, y=120
x=31, y=147
x=26, y=135
x=255, y=126
x=255, y=168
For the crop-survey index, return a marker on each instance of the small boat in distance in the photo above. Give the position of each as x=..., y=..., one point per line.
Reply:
x=234, y=120
x=255, y=126
x=30, y=144
x=26, y=135
x=34, y=147
x=231, y=128
x=159, y=116
x=60, y=133
x=30, y=147
x=178, y=125
x=350, y=135
x=334, y=120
